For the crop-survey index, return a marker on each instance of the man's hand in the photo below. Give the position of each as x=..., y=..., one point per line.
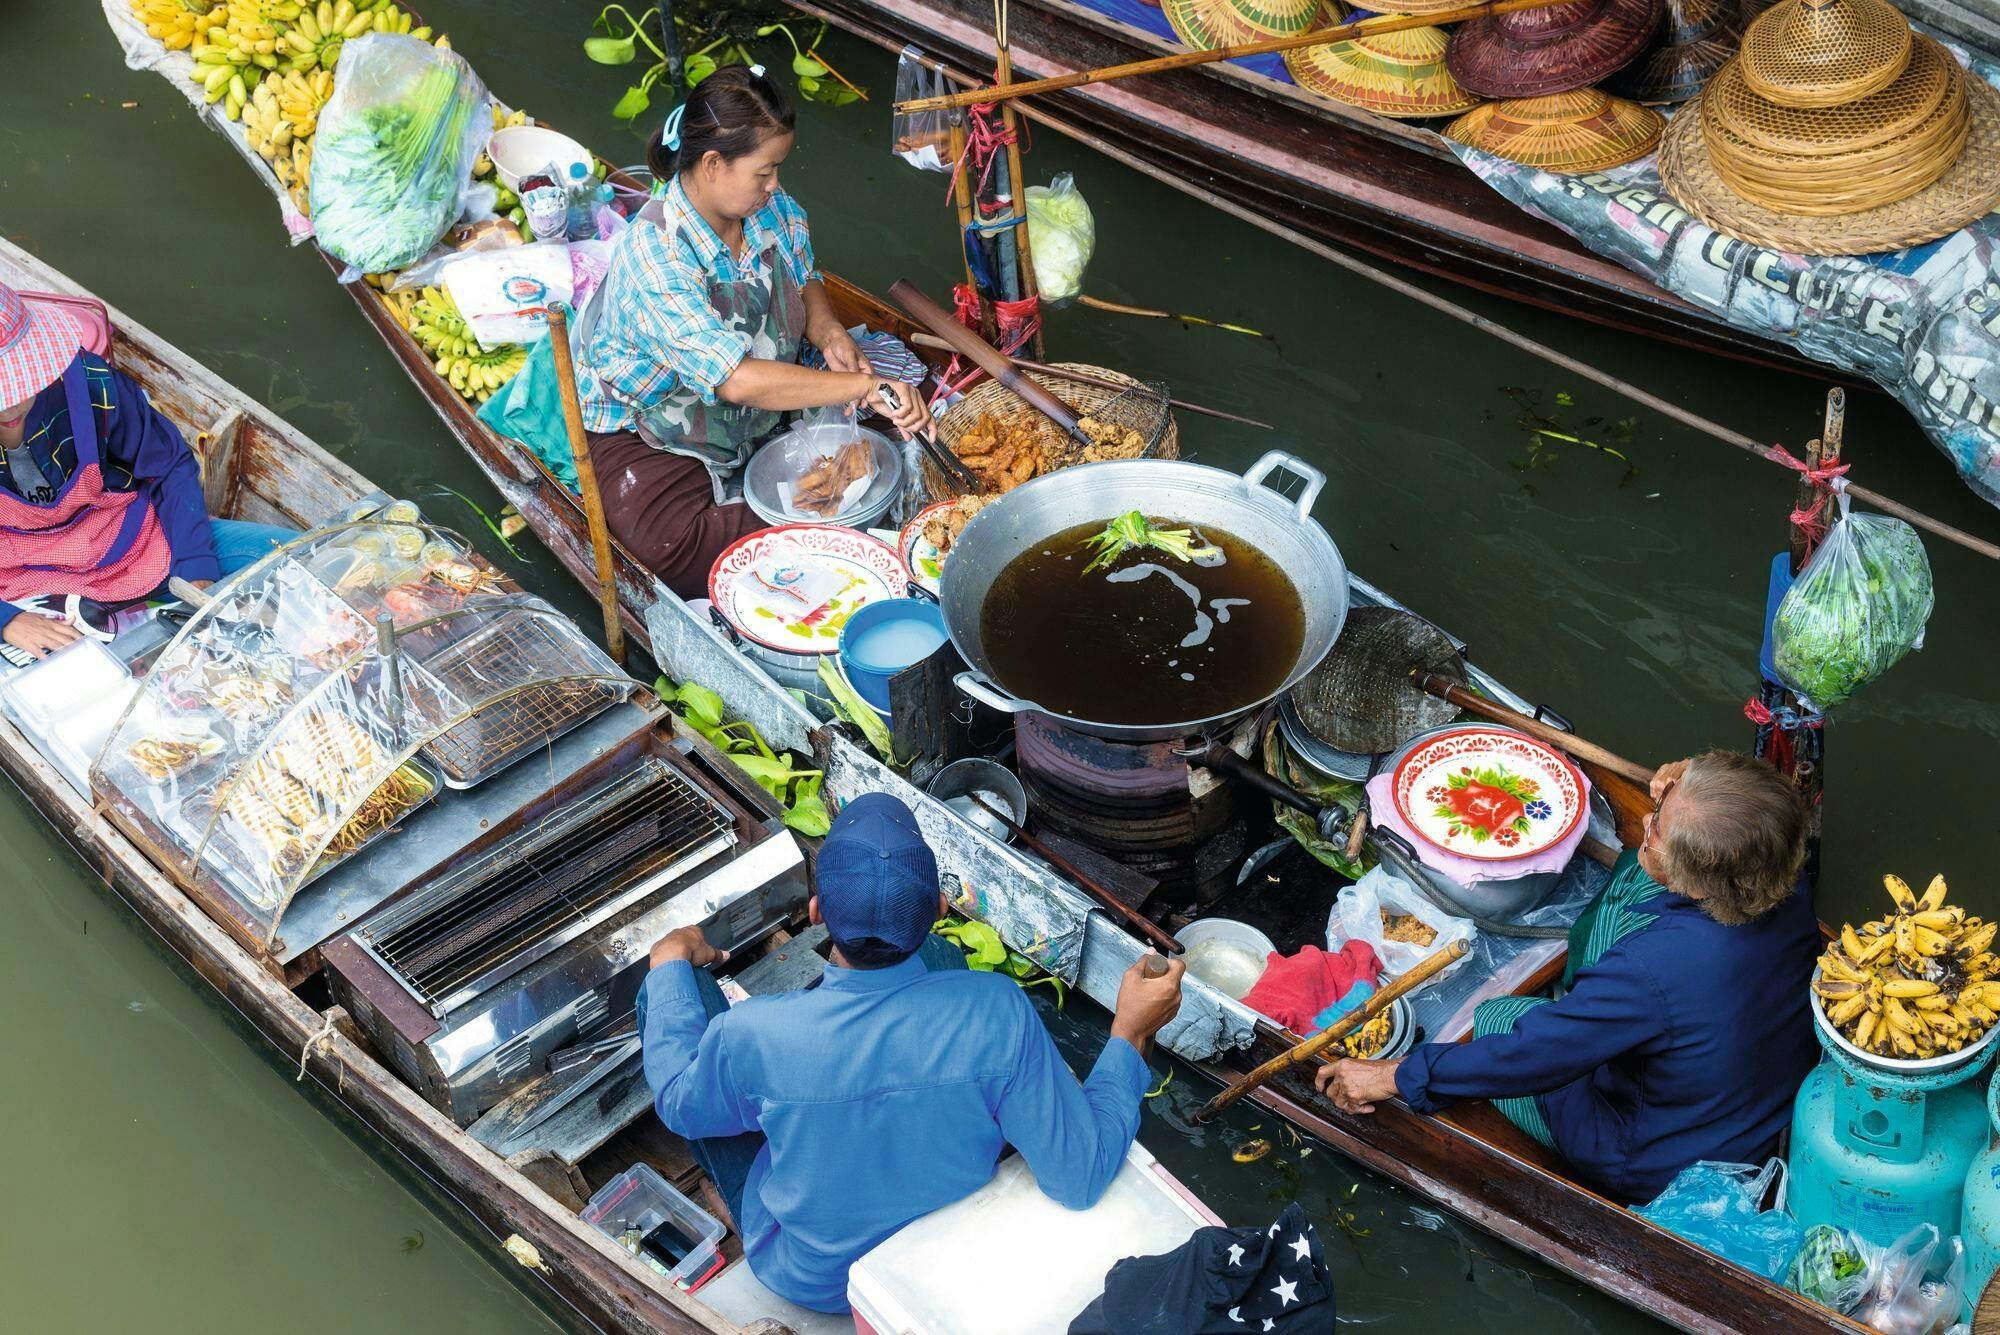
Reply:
x=838, y=347
x=1146, y=1004
x=1356, y=1086
x=1666, y=775
x=686, y=943
x=911, y=414
x=39, y=635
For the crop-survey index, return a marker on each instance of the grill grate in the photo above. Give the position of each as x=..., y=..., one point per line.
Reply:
x=499, y=658
x=548, y=884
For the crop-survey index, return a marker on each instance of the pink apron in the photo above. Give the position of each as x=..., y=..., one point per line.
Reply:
x=91, y=541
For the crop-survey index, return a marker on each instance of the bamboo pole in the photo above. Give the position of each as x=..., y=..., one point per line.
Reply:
x=1003, y=75
x=586, y=483
x=1065, y=373
x=1181, y=60
x=962, y=197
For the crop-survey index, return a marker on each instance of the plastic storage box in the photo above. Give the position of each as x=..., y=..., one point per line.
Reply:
x=645, y=1214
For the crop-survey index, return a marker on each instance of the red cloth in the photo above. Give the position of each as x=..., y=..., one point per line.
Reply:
x=1296, y=988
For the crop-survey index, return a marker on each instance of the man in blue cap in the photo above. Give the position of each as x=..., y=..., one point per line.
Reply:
x=830, y=1118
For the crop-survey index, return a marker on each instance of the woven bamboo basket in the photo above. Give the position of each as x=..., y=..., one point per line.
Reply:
x=992, y=396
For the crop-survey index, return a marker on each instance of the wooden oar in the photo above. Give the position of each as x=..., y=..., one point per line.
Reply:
x=1333, y=1033
x=985, y=356
x=1139, y=922
x=1082, y=378
x=586, y=482
x=1318, y=37
x=1445, y=689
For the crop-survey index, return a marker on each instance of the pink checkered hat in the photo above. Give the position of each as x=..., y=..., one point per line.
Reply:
x=38, y=341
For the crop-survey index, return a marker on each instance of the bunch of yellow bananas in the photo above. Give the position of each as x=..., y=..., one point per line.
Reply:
x=390, y=19
x=302, y=154
x=1919, y=983
x=314, y=41
x=179, y=24
x=300, y=97
x=432, y=317
x=266, y=129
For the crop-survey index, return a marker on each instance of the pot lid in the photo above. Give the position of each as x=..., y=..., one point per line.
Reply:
x=1554, y=49
x=791, y=588
x=1487, y=793
x=1819, y=53
x=1392, y=74
x=1584, y=131
x=1207, y=24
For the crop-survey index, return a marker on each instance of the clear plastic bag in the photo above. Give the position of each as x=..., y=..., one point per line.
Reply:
x=1719, y=1206
x=394, y=152
x=1831, y=1268
x=1063, y=236
x=825, y=467
x=1357, y=916
x=1860, y=604
x=1914, y=1286
x=923, y=138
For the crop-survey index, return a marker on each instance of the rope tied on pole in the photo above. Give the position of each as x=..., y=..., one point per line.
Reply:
x=1810, y=518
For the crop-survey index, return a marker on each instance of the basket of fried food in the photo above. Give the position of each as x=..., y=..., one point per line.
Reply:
x=1004, y=442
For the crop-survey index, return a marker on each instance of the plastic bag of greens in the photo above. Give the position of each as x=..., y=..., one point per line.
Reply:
x=1062, y=235
x=1719, y=1206
x=1831, y=1269
x=1859, y=605
x=920, y=138
x=394, y=150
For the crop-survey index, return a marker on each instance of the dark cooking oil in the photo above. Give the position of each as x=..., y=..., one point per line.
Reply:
x=1149, y=640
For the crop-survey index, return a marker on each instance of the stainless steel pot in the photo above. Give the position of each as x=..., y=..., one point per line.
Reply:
x=1183, y=493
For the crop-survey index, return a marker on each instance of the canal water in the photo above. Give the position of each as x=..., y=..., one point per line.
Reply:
x=164, y=1173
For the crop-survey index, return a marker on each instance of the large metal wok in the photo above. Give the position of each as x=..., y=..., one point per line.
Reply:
x=1182, y=493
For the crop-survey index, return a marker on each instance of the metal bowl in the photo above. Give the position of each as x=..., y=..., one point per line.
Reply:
x=1971, y=1055
x=1402, y=1032
x=954, y=784
x=769, y=466
x=1331, y=761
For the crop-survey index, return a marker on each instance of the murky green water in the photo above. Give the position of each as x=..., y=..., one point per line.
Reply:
x=165, y=1175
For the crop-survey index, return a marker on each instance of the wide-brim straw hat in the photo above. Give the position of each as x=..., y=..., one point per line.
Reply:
x=38, y=341
x=1821, y=53
x=1555, y=49
x=1967, y=191
x=1585, y=130
x=1697, y=39
x=1205, y=25
x=1400, y=74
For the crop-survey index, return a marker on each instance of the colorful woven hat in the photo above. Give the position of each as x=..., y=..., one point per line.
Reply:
x=1821, y=53
x=1205, y=25
x=1697, y=39
x=1586, y=130
x=1555, y=49
x=1399, y=74
x=38, y=341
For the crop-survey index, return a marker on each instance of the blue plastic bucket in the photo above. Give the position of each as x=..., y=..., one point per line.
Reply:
x=885, y=637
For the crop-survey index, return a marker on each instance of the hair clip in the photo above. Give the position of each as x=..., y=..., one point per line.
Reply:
x=671, y=133
x=757, y=70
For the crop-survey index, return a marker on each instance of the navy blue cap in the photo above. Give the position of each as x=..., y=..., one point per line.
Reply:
x=876, y=877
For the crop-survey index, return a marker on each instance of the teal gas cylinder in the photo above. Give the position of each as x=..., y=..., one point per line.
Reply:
x=1879, y=1151
x=1982, y=1204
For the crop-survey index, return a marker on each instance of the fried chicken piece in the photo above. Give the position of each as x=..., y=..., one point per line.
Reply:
x=941, y=530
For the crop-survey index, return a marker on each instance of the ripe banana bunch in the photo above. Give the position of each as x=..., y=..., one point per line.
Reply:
x=390, y=19
x=302, y=152
x=315, y=40
x=1919, y=983
x=179, y=24
x=267, y=130
x=300, y=97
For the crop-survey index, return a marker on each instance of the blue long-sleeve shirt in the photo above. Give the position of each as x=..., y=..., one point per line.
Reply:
x=141, y=451
x=1686, y=1041
x=883, y=1094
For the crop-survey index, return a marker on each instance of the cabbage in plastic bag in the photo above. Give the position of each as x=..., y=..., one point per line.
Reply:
x=1062, y=235
x=394, y=150
x=1860, y=604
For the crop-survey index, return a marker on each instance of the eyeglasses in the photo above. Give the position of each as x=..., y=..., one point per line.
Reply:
x=1651, y=821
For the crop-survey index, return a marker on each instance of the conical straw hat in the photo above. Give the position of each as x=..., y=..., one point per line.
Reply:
x=1874, y=220
x=1697, y=39
x=1693, y=20
x=1398, y=74
x=1555, y=49
x=1205, y=25
x=1820, y=53
x=1586, y=130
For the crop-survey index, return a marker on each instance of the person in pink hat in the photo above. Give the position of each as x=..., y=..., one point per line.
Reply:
x=100, y=496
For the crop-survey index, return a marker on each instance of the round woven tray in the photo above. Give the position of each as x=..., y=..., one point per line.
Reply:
x=1583, y=131
x=1964, y=194
x=1820, y=53
x=1931, y=76
x=1400, y=74
x=990, y=396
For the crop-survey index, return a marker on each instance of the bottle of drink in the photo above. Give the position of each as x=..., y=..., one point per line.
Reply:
x=546, y=200
x=586, y=192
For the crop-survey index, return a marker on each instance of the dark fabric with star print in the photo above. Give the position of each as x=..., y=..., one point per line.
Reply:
x=1221, y=1281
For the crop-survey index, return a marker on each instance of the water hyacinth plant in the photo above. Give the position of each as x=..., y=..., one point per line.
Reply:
x=715, y=34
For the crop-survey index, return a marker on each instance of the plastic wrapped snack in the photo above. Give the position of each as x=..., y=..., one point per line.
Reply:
x=1063, y=236
x=921, y=138
x=394, y=150
x=1859, y=605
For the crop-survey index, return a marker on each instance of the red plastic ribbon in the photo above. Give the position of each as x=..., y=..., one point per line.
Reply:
x=1810, y=519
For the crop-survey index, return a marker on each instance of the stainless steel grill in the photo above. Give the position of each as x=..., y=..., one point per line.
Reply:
x=494, y=659
x=501, y=911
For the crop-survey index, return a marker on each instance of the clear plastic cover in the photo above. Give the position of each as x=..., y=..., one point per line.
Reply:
x=275, y=736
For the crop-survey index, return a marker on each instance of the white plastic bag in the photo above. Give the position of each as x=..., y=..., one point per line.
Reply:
x=1063, y=236
x=1916, y=1285
x=505, y=295
x=1357, y=916
x=920, y=138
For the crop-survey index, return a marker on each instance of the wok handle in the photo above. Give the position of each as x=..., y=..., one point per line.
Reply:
x=1217, y=756
x=986, y=693
x=1274, y=460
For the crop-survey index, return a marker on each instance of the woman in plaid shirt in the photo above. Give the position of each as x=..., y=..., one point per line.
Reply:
x=688, y=356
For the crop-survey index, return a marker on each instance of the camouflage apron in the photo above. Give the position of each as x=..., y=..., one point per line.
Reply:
x=771, y=309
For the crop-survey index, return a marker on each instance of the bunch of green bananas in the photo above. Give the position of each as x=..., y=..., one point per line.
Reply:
x=390, y=19
x=315, y=40
x=433, y=319
x=1919, y=983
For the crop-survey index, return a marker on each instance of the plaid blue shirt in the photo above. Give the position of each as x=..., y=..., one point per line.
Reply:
x=657, y=333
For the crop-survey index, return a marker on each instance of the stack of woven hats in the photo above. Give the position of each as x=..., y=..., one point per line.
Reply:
x=1698, y=38
x=1837, y=131
x=1542, y=64
x=1399, y=74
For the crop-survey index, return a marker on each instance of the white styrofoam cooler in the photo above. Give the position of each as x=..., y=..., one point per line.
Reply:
x=938, y=1276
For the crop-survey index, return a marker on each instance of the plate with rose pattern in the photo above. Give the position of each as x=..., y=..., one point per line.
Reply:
x=1489, y=793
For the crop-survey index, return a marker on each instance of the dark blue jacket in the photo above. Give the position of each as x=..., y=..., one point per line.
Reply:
x=1686, y=1041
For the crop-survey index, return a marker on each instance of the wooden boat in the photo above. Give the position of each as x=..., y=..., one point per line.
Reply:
x=1310, y=170
x=1471, y=1161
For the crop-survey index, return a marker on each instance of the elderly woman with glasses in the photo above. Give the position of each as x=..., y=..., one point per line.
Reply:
x=1683, y=1033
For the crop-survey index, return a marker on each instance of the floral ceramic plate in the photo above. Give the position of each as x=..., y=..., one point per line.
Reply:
x=1488, y=793
x=839, y=569
x=920, y=555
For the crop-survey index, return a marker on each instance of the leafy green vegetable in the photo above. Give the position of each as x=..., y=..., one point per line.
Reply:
x=1133, y=529
x=851, y=708
x=985, y=952
x=1859, y=605
x=798, y=790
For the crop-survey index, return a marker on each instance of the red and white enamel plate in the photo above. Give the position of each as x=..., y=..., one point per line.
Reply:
x=864, y=569
x=1490, y=794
